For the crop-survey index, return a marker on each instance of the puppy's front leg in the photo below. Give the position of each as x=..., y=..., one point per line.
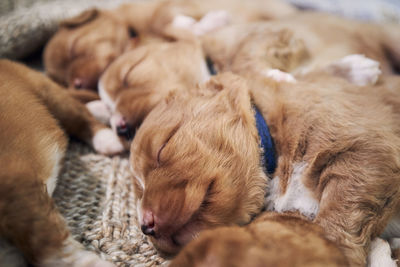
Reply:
x=76, y=119
x=353, y=213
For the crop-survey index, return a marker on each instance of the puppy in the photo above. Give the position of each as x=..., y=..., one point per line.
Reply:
x=196, y=159
x=32, y=142
x=85, y=45
x=271, y=240
x=299, y=44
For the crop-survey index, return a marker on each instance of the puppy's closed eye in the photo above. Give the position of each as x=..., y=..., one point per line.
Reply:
x=173, y=132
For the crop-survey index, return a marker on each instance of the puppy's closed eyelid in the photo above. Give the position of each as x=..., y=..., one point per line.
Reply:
x=165, y=143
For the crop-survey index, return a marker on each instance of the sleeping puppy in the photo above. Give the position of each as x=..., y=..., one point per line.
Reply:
x=198, y=159
x=139, y=79
x=85, y=45
x=299, y=44
x=32, y=145
x=271, y=240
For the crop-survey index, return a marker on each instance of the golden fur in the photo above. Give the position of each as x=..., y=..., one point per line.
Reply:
x=202, y=168
x=34, y=112
x=301, y=43
x=85, y=45
x=271, y=240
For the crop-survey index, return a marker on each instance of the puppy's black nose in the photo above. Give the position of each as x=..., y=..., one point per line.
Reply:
x=148, y=230
x=124, y=131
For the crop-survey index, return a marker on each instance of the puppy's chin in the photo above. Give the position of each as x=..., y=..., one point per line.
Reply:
x=166, y=246
x=171, y=245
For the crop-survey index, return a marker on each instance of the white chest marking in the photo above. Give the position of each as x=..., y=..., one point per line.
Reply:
x=296, y=198
x=380, y=254
x=56, y=155
x=105, y=97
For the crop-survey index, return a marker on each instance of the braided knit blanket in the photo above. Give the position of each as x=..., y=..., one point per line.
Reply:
x=95, y=195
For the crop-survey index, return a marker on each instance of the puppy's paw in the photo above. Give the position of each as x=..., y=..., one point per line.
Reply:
x=99, y=110
x=183, y=22
x=213, y=20
x=279, y=76
x=106, y=142
x=357, y=69
x=380, y=254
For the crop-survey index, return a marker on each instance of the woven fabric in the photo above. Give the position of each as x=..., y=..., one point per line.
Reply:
x=27, y=26
x=95, y=195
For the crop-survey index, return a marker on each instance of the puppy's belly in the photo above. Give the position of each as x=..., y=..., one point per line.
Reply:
x=296, y=198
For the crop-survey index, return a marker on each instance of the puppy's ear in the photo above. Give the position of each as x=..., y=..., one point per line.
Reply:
x=233, y=88
x=82, y=18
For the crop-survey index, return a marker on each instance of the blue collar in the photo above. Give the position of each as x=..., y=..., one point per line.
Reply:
x=267, y=144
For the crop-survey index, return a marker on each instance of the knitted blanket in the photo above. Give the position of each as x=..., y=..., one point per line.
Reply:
x=95, y=192
x=95, y=195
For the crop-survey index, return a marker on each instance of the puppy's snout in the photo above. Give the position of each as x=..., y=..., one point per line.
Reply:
x=124, y=130
x=148, y=224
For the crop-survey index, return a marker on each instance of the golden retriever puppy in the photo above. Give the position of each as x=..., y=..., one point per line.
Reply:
x=304, y=42
x=281, y=240
x=34, y=112
x=207, y=157
x=85, y=45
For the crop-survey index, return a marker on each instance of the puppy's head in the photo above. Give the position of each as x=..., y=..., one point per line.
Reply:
x=195, y=162
x=84, y=46
x=140, y=78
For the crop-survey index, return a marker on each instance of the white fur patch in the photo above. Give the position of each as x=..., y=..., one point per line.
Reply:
x=392, y=228
x=357, y=69
x=74, y=255
x=106, y=142
x=211, y=21
x=56, y=155
x=183, y=22
x=99, y=110
x=380, y=254
x=279, y=76
x=296, y=198
x=105, y=97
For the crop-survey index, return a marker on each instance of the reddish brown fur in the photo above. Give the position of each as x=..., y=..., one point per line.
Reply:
x=300, y=43
x=141, y=78
x=209, y=168
x=32, y=109
x=85, y=45
x=271, y=240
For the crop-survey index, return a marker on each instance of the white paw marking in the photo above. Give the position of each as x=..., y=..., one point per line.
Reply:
x=99, y=110
x=106, y=142
x=212, y=21
x=357, y=69
x=296, y=198
x=380, y=254
x=183, y=22
x=74, y=255
x=279, y=76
